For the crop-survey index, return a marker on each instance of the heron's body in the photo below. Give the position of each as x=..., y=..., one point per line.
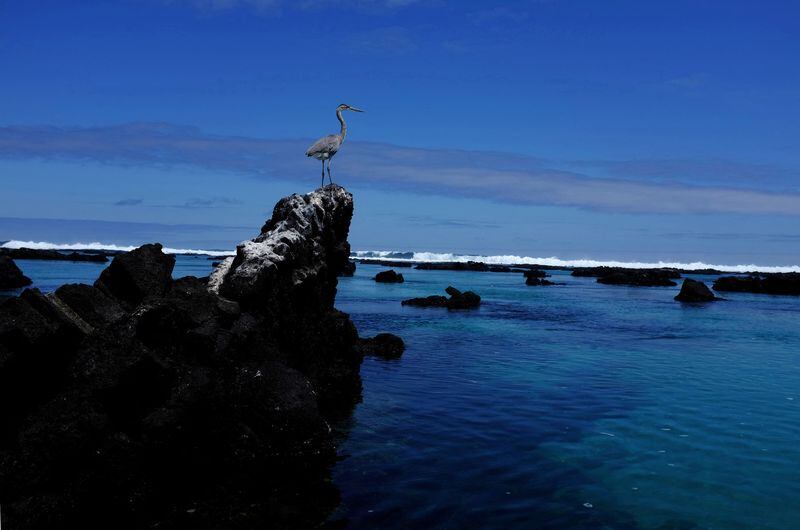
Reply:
x=327, y=146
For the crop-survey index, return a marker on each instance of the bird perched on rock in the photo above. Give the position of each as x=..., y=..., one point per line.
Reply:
x=327, y=146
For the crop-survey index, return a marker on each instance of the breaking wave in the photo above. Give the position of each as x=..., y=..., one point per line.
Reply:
x=511, y=259
x=44, y=245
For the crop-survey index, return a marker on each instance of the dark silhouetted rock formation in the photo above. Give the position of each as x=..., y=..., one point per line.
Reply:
x=53, y=255
x=389, y=276
x=695, y=291
x=349, y=268
x=383, y=345
x=10, y=275
x=475, y=266
x=143, y=402
x=385, y=263
x=787, y=283
x=533, y=280
x=623, y=276
x=535, y=273
x=457, y=300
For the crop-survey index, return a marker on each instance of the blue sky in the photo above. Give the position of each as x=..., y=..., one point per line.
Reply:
x=580, y=129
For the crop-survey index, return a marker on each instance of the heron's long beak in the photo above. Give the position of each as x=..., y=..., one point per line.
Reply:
x=355, y=109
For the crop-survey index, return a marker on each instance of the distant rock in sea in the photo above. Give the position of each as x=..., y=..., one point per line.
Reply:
x=787, y=283
x=53, y=255
x=534, y=280
x=695, y=291
x=634, y=277
x=384, y=262
x=457, y=300
x=475, y=266
x=11, y=276
x=146, y=402
x=383, y=345
x=389, y=276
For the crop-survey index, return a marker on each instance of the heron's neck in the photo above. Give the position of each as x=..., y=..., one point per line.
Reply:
x=343, y=132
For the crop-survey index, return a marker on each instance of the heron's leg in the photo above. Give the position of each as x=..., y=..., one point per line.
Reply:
x=323, y=173
x=329, y=170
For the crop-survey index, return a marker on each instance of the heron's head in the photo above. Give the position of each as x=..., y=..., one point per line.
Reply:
x=348, y=107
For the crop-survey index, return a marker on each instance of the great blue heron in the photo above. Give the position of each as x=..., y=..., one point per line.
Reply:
x=327, y=146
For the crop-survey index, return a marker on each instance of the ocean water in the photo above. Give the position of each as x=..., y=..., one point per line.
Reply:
x=572, y=406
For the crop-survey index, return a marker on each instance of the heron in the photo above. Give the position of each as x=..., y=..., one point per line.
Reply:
x=327, y=146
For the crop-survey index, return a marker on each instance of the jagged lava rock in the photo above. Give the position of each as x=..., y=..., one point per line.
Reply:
x=533, y=280
x=695, y=291
x=10, y=275
x=457, y=300
x=639, y=278
x=389, y=276
x=783, y=283
x=383, y=345
x=145, y=402
x=53, y=255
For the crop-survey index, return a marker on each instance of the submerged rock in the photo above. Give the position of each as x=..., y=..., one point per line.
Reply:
x=535, y=273
x=144, y=402
x=533, y=280
x=457, y=300
x=475, y=266
x=695, y=291
x=385, y=263
x=622, y=275
x=11, y=276
x=383, y=345
x=786, y=283
x=389, y=276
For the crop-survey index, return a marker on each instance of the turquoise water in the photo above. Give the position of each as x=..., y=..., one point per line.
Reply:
x=574, y=406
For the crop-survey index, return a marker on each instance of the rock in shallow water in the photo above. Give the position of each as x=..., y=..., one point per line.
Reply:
x=146, y=402
x=779, y=283
x=695, y=291
x=11, y=276
x=383, y=345
x=457, y=300
x=389, y=276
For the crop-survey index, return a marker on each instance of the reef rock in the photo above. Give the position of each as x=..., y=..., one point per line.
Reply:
x=457, y=300
x=147, y=402
x=383, y=345
x=785, y=283
x=10, y=275
x=349, y=268
x=389, y=276
x=53, y=255
x=695, y=291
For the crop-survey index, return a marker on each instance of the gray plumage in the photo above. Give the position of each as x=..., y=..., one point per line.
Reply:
x=327, y=146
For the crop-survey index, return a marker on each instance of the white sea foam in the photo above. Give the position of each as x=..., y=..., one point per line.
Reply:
x=511, y=259
x=44, y=245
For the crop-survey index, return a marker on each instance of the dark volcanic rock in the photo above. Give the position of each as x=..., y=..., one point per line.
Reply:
x=349, y=268
x=383, y=345
x=385, y=263
x=533, y=280
x=389, y=276
x=457, y=300
x=53, y=255
x=475, y=266
x=150, y=403
x=787, y=283
x=694, y=291
x=145, y=271
x=535, y=273
x=623, y=276
x=10, y=275
x=622, y=272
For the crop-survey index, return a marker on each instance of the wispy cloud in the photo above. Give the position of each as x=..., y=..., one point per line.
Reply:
x=213, y=202
x=391, y=40
x=129, y=202
x=476, y=174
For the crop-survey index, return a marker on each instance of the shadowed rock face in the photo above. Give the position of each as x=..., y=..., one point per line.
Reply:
x=10, y=275
x=146, y=402
x=457, y=300
x=389, y=276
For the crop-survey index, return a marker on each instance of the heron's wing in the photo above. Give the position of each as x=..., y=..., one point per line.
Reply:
x=326, y=144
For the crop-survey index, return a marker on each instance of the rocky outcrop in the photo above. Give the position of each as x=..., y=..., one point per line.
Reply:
x=635, y=277
x=533, y=280
x=457, y=300
x=349, y=268
x=787, y=283
x=475, y=266
x=389, y=276
x=385, y=263
x=147, y=402
x=693, y=291
x=535, y=273
x=53, y=255
x=383, y=345
x=10, y=275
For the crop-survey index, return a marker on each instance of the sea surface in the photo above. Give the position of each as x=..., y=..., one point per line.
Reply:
x=572, y=406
